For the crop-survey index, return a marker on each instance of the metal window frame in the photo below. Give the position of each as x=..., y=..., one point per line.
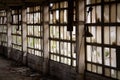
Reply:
x=103, y=45
x=58, y=24
x=35, y=24
x=17, y=13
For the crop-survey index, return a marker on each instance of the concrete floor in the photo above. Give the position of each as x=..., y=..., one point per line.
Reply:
x=10, y=72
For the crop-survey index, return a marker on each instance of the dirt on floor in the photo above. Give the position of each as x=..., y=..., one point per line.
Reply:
x=8, y=71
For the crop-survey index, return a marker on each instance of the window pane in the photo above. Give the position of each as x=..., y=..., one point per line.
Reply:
x=106, y=13
x=113, y=35
x=93, y=15
x=61, y=16
x=89, y=51
x=63, y=4
x=113, y=13
x=113, y=57
x=94, y=54
x=88, y=16
x=107, y=56
x=37, y=44
x=93, y=1
x=113, y=73
x=106, y=35
x=74, y=63
x=98, y=13
x=118, y=74
x=93, y=68
x=13, y=29
x=118, y=37
x=99, y=55
x=73, y=51
x=118, y=12
x=30, y=42
x=88, y=67
x=99, y=34
x=65, y=16
x=36, y=31
x=93, y=31
x=51, y=57
x=99, y=70
x=13, y=39
x=74, y=33
x=36, y=17
x=31, y=18
x=51, y=17
x=58, y=59
x=53, y=46
x=54, y=30
x=30, y=30
x=107, y=72
x=88, y=1
x=19, y=41
x=98, y=1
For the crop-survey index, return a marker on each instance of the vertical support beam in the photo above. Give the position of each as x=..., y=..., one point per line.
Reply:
x=24, y=35
x=9, y=39
x=80, y=40
x=46, y=39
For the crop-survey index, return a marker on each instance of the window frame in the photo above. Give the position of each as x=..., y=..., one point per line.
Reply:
x=58, y=26
x=103, y=45
x=35, y=49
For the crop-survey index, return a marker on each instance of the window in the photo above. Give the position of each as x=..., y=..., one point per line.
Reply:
x=101, y=49
x=3, y=28
x=34, y=31
x=16, y=30
x=62, y=42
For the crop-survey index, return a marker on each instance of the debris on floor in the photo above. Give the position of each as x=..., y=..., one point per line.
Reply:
x=11, y=72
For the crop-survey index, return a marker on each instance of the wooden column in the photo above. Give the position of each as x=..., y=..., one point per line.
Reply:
x=24, y=35
x=46, y=39
x=9, y=38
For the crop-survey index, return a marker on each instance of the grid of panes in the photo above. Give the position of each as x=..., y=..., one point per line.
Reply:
x=34, y=31
x=61, y=41
x=3, y=28
x=101, y=49
x=16, y=30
